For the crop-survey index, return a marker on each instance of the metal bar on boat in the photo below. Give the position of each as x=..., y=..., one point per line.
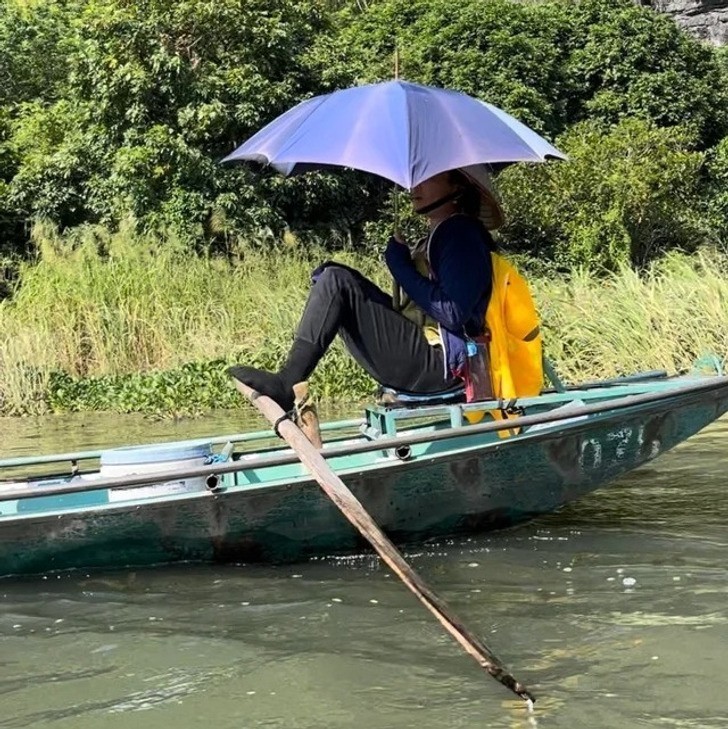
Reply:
x=217, y=440
x=636, y=378
x=548, y=397
x=380, y=444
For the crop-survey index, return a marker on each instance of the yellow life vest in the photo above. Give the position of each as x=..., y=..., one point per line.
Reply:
x=516, y=344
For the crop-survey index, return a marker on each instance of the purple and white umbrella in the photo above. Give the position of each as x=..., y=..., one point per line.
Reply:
x=401, y=131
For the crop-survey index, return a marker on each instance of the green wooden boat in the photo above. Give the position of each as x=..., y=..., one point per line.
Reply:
x=422, y=472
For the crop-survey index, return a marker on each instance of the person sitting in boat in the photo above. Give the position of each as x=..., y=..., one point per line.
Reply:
x=447, y=280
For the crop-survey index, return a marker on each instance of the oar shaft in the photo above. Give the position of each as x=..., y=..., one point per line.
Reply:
x=353, y=510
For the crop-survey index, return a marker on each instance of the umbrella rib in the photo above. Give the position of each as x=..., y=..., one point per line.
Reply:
x=299, y=131
x=409, y=140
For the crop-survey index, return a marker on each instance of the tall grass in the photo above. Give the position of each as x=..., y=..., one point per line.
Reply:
x=664, y=318
x=96, y=303
x=113, y=305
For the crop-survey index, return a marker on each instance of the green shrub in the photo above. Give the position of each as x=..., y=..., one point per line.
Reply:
x=717, y=191
x=625, y=61
x=503, y=52
x=121, y=109
x=626, y=195
x=152, y=96
x=551, y=64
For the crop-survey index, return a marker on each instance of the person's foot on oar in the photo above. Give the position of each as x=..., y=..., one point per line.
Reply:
x=278, y=386
x=266, y=383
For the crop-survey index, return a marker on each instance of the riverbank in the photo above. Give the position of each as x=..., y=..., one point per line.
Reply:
x=125, y=323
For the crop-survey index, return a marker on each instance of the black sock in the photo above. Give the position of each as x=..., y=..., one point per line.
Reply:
x=299, y=365
x=266, y=383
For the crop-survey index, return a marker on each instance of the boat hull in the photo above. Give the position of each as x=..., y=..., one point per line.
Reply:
x=468, y=484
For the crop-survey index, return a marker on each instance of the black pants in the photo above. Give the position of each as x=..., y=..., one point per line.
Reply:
x=390, y=347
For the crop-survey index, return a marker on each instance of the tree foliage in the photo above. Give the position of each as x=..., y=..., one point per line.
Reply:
x=717, y=191
x=551, y=64
x=119, y=109
x=634, y=100
x=153, y=96
x=626, y=60
x=498, y=50
x=628, y=193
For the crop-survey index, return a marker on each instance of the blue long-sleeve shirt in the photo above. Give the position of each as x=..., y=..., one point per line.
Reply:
x=457, y=293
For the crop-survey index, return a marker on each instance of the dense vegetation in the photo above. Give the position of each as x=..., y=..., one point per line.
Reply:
x=118, y=108
x=115, y=113
x=133, y=323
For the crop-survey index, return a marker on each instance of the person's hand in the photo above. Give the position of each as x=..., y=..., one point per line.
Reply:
x=397, y=253
x=398, y=237
x=396, y=246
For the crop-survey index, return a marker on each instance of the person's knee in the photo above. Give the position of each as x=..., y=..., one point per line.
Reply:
x=338, y=278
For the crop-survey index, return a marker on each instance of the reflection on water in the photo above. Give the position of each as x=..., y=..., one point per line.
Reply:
x=613, y=611
x=92, y=431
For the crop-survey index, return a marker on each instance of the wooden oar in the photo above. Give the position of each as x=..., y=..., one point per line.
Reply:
x=353, y=510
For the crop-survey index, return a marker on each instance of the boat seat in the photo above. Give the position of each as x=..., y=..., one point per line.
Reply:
x=388, y=397
x=394, y=406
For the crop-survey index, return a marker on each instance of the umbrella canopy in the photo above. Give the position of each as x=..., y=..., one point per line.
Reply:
x=402, y=131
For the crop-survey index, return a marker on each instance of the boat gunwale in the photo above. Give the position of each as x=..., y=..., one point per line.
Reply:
x=212, y=440
x=577, y=423
x=599, y=391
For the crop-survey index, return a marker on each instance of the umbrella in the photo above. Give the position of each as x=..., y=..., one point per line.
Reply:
x=401, y=131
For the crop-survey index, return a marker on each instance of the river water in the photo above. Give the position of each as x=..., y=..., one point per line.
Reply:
x=614, y=612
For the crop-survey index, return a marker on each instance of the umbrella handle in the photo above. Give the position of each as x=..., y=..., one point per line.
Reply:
x=396, y=290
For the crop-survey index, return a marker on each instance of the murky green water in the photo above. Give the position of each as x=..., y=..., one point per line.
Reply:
x=614, y=611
